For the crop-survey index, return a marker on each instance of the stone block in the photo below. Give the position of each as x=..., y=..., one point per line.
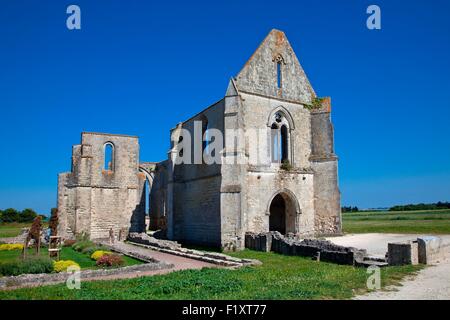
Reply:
x=258, y=242
x=430, y=249
x=403, y=253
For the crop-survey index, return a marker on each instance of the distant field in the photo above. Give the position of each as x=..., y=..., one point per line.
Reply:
x=11, y=229
x=426, y=221
x=8, y=230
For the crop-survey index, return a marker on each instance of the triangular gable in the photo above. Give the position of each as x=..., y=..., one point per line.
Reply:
x=259, y=74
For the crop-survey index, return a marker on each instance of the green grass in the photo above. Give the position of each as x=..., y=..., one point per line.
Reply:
x=280, y=277
x=426, y=221
x=67, y=253
x=8, y=230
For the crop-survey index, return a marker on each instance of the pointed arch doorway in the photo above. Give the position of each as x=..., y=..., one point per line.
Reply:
x=283, y=213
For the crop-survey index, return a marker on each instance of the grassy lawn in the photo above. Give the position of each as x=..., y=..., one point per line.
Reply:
x=67, y=253
x=427, y=221
x=280, y=277
x=8, y=230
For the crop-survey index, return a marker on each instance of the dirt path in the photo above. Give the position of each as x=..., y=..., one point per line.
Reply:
x=431, y=283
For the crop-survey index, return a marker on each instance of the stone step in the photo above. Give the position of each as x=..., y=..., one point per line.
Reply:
x=370, y=263
x=375, y=258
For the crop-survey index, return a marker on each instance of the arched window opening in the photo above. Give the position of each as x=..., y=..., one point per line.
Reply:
x=280, y=140
x=279, y=74
x=109, y=157
x=147, y=197
x=180, y=151
x=284, y=143
x=275, y=134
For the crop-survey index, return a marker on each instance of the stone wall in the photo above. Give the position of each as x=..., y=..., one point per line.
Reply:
x=194, y=190
x=403, y=253
x=216, y=204
x=324, y=163
x=93, y=199
x=259, y=74
x=320, y=250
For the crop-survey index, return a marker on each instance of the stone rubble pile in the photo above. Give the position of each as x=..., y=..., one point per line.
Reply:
x=322, y=250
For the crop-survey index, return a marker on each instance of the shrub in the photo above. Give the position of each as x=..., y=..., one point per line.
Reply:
x=69, y=243
x=110, y=260
x=31, y=265
x=90, y=250
x=99, y=253
x=83, y=244
x=10, y=247
x=62, y=265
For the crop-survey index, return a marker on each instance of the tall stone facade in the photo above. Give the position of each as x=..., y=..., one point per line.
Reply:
x=93, y=199
x=291, y=185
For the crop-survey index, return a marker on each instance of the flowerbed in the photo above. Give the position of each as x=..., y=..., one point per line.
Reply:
x=62, y=265
x=110, y=260
x=99, y=254
x=10, y=247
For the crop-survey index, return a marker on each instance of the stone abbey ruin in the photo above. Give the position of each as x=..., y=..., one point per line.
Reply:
x=292, y=189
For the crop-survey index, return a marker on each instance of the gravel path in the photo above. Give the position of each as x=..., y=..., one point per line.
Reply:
x=431, y=283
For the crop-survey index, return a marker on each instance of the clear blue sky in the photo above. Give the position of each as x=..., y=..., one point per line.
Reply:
x=138, y=67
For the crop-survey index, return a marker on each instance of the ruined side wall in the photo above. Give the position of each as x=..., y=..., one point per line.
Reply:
x=197, y=208
x=196, y=191
x=325, y=165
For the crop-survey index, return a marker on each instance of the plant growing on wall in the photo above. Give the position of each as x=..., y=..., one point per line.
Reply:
x=286, y=165
x=316, y=103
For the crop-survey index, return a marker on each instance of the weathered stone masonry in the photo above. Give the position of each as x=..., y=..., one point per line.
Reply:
x=217, y=204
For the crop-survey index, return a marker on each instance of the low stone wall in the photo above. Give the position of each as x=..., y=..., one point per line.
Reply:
x=320, y=249
x=144, y=238
x=259, y=242
x=30, y=280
